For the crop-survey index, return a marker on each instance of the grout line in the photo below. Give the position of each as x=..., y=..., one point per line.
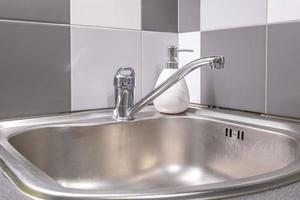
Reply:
x=157, y=32
x=80, y=26
x=142, y=65
x=33, y=22
x=200, y=49
x=285, y=22
x=200, y=16
x=142, y=51
x=70, y=13
x=178, y=18
x=66, y=25
x=233, y=27
x=178, y=32
x=141, y=15
x=71, y=88
x=104, y=27
x=250, y=25
x=200, y=71
x=266, y=61
x=71, y=93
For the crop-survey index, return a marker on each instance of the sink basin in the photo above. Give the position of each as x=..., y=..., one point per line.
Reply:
x=200, y=154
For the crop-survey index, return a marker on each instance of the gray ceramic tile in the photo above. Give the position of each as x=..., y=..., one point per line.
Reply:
x=154, y=57
x=189, y=15
x=36, y=10
x=97, y=54
x=284, y=70
x=241, y=84
x=34, y=69
x=158, y=15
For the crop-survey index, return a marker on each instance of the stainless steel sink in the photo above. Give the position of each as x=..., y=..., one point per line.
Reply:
x=200, y=154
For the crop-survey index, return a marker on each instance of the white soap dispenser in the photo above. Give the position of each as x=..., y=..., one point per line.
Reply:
x=176, y=99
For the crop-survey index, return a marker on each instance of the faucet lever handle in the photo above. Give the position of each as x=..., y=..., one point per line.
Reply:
x=127, y=71
x=125, y=77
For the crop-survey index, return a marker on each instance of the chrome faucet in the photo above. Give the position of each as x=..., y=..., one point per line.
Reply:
x=124, y=83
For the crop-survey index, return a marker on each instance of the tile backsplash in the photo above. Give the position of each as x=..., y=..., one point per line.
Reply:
x=240, y=85
x=260, y=40
x=61, y=55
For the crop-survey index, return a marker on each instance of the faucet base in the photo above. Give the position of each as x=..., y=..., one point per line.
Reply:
x=121, y=116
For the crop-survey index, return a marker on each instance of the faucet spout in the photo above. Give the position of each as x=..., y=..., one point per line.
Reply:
x=214, y=62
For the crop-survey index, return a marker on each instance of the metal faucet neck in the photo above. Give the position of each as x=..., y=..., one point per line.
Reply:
x=124, y=93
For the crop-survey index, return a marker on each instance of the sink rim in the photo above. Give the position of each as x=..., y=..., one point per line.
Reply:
x=33, y=182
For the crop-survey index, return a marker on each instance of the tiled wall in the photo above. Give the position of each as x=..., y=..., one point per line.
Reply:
x=61, y=55
x=261, y=43
x=189, y=38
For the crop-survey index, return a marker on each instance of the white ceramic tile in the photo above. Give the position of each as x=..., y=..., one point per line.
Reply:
x=283, y=10
x=107, y=13
x=191, y=40
x=154, y=56
x=96, y=54
x=220, y=14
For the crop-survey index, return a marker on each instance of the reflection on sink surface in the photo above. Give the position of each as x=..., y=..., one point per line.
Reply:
x=199, y=154
x=148, y=154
